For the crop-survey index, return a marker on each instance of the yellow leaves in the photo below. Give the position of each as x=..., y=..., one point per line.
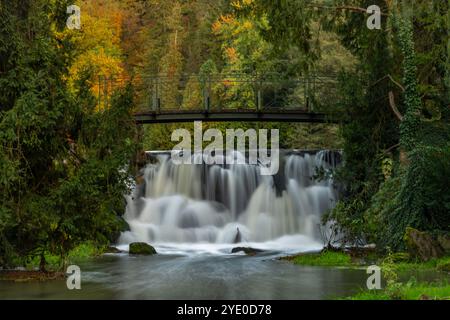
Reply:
x=240, y=4
x=236, y=4
x=106, y=68
x=100, y=62
x=247, y=25
x=98, y=46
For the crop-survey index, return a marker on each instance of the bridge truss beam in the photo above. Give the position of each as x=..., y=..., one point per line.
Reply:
x=252, y=116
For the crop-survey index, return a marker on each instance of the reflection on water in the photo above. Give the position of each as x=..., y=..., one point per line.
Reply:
x=195, y=277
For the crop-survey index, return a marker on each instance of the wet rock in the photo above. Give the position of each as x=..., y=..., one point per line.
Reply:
x=422, y=245
x=247, y=250
x=238, y=237
x=141, y=248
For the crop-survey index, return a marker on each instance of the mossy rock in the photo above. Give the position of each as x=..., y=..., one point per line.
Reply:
x=422, y=245
x=141, y=248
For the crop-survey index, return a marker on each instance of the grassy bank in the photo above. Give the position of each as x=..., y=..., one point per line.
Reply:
x=54, y=264
x=402, y=261
x=336, y=258
x=408, y=291
x=323, y=259
x=391, y=266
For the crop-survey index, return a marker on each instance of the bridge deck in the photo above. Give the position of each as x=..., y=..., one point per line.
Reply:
x=231, y=115
x=227, y=97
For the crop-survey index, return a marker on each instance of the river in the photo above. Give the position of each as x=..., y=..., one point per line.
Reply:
x=195, y=214
x=195, y=276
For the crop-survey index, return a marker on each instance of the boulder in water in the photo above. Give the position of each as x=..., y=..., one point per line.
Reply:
x=422, y=245
x=141, y=248
x=248, y=251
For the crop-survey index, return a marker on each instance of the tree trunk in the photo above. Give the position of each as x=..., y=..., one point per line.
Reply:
x=42, y=263
x=410, y=126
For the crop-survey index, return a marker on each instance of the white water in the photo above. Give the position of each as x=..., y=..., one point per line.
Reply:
x=200, y=208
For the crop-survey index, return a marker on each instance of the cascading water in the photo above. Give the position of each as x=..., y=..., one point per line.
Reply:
x=226, y=204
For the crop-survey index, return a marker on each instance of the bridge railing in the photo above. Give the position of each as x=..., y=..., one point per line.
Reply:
x=224, y=92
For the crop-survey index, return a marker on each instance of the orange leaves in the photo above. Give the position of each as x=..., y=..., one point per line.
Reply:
x=224, y=21
x=217, y=27
x=98, y=45
x=116, y=20
x=231, y=54
x=227, y=19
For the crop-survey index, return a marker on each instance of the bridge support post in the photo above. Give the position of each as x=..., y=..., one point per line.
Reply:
x=152, y=94
x=156, y=101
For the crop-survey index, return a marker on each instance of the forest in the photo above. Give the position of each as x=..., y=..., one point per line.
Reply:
x=70, y=149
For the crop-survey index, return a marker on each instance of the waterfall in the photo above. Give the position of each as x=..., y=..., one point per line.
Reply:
x=223, y=204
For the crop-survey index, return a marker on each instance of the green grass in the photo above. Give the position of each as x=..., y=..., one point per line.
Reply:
x=441, y=264
x=370, y=295
x=412, y=290
x=81, y=252
x=327, y=258
x=85, y=251
x=432, y=291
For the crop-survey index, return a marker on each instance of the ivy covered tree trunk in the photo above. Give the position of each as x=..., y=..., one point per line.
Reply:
x=422, y=200
x=410, y=125
x=447, y=63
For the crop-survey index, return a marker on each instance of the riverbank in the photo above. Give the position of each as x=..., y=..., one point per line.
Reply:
x=28, y=269
x=393, y=267
x=27, y=276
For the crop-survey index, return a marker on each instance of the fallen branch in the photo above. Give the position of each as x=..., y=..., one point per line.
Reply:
x=392, y=148
x=390, y=78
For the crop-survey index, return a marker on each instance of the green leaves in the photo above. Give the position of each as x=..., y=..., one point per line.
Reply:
x=62, y=176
